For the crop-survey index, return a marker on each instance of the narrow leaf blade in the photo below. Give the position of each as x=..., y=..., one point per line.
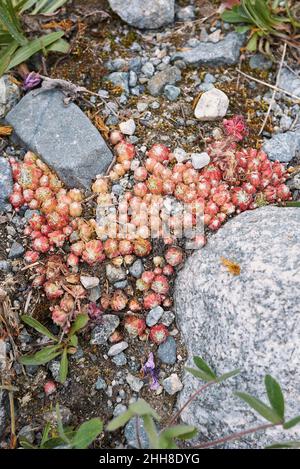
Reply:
x=87, y=433
x=265, y=411
x=275, y=395
x=38, y=327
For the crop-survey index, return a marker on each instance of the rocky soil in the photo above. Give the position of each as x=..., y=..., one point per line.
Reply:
x=148, y=83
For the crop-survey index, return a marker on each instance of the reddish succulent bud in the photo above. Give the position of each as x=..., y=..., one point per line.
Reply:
x=41, y=244
x=241, y=198
x=158, y=333
x=49, y=388
x=159, y=152
x=53, y=290
x=116, y=337
x=100, y=186
x=155, y=185
x=140, y=174
x=77, y=248
x=75, y=209
x=72, y=260
x=57, y=238
x=125, y=150
x=28, y=195
x=283, y=192
x=168, y=270
x=111, y=248
x=235, y=127
x=93, y=252
x=141, y=285
x=31, y=256
x=148, y=276
x=140, y=189
x=59, y=317
x=125, y=247
x=39, y=280
x=115, y=137
x=134, y=326
x=151, y=300
x=142, y=247
x=160, y=285
x=174, y=256
x=134, y=305
x=36, y=221
x=16, y=199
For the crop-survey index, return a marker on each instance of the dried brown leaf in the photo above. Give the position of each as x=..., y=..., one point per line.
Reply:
x=231, y=266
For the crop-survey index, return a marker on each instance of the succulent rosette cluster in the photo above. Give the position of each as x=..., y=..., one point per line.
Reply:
x=235, y=180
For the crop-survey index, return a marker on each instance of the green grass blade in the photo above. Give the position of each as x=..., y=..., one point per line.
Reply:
x=7, y=56
x=9, y=24
x=25, y=52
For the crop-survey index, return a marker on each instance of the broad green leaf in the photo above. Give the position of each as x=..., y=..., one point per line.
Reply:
x=43, y=356
x=141, y=408
x=87, y=433
x=25, y=52
x=64, y=365
x=26, y=5
x=38, y=327
x=252, y=43
x=291, y=423
x=200, y=374
x=202, y=365
x=275, y=395
x=228, y=375
x=26, y=444
x=119, y=421
x=285, y=445
x=74, y=340
x=181, y=432
x=235, y=15
x=39, y=6
x=151, y=431
x=242, y=29
x=79, y=323
x=260, y=407
x=59, y=46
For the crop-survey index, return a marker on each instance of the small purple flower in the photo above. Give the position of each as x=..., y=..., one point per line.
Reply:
x=149, y=369
x=31, y=81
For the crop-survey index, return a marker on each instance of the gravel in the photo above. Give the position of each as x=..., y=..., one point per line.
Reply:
x=167, y=351
x=169, y=76
x=101, y=333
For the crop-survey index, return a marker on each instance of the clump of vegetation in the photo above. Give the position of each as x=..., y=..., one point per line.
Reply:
x=15, y=46
x=66, y=437
x=264, y=19
x=273, y=413
x=169, y=436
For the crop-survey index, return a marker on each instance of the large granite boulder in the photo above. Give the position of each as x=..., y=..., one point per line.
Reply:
x=225, y=52
x=62, y=136
x=248, y=321
x=145, y=14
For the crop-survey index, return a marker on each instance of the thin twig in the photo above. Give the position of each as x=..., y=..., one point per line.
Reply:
x=273, y=87
x=274, y=91
x=12, y=419
x=235, y=436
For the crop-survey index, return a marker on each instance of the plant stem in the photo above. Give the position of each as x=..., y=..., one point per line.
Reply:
x=273, y=87
x=236, y=436
x=191, y=398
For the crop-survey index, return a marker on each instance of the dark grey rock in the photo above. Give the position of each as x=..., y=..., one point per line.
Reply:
x=9, y=94
x=120, y=79
x=27, y=432
x=100, y=384
x=122, y=284
x=260, y=61
x=167, y=351
x=117, y=348
x=5, y=266
x=283, y=146
x=289, y=82
x=120, y=359
x=185, y=13
x=137, y=268
x=115, y=65
x=131, y=434
x=169, y=76
x=62, y=136
x=16, y=251
x=171, y=92
x=225, y=52
x=154, y=316
x=6, y=183
x=101, y=333
x=115, y=274
x=249, y=321
x=167, y=318
x=145, y=14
